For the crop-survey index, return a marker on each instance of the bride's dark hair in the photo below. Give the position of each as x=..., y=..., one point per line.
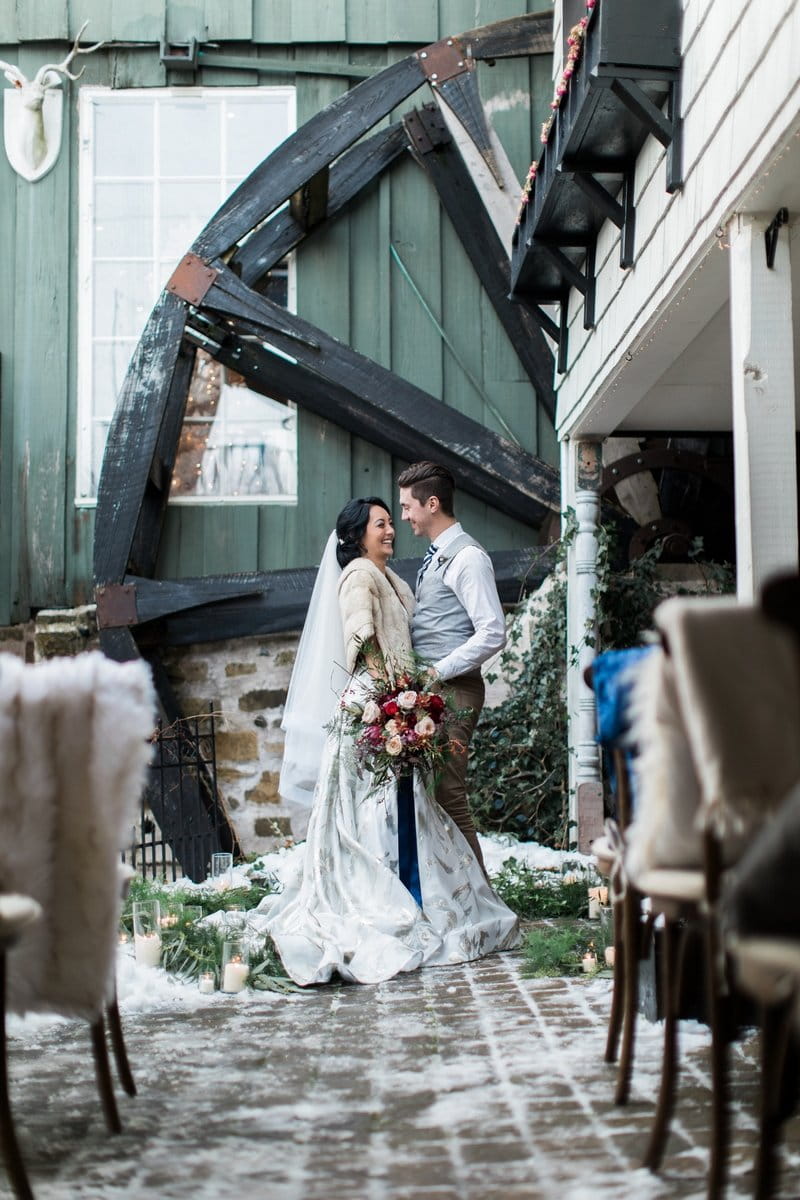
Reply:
x=351, y=525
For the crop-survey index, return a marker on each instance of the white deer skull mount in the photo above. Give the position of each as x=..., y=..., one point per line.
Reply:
x=33, y=113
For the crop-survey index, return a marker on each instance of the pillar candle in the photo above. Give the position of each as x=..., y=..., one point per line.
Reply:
x=235, y=976
x=148, y=949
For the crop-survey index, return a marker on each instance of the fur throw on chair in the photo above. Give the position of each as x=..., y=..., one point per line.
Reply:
x=73, y=753
x=716, y=721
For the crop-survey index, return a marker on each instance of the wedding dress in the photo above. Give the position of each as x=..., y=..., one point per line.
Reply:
x=345, y=909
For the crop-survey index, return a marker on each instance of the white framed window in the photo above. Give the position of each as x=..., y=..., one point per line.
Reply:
x=155, y=165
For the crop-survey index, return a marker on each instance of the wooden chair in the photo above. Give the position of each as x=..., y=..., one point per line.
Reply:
x=73, y=750
x=612, y=676
x=718, y=714
x=762, y=934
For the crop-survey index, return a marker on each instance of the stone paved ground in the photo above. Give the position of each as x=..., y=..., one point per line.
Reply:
x=462, y=1083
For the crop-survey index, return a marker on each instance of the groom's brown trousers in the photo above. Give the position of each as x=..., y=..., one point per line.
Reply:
x=468, y=692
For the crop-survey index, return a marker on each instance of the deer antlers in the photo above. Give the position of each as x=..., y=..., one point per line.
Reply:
x=40, y=80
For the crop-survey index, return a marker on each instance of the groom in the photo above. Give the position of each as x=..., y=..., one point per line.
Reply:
x=458, y=621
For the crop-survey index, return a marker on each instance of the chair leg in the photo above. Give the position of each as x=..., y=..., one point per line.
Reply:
x=103, y=1075
x=775, y=1032
x=672, y=970
x=618, y=995
x=720, y=1036
x=8, y=1136
x=631, y=934
x=118, y=1046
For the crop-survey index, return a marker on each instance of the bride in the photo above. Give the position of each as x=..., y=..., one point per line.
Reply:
x=387, y=882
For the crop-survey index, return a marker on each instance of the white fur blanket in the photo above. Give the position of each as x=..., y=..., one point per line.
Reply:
x=717, y=723
x=73, y=752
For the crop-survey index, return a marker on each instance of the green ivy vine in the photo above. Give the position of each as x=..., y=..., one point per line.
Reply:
x=518, y=775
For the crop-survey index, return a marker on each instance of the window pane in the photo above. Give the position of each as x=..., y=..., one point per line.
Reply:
x=123, y=220
x=124, y=293
x=234, y=442
x=252, y=132
x=189, y=137
x=155, y=166
x=110, y=364
x=99, y=437
x=186, y=207
x=123, y=137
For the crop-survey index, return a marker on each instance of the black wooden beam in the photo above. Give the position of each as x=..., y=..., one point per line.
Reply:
x=349, y=176
x=133, y=439
x=282, y=605
x=409, y=423
x=438, y=155
x=309, y=204
x=376, y=400
x=150, y=523
x=314, y=146
x=517, y=37
x=139, y=600
x=461, y=95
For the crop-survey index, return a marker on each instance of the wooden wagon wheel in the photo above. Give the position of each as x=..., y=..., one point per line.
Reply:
x=212, y=302
x=676, y=534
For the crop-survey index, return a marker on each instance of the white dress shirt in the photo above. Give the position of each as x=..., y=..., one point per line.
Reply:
x=471, y=576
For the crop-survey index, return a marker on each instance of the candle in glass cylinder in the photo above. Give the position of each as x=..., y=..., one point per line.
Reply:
x=205, y=983
x=147, y=947
x=235, y=976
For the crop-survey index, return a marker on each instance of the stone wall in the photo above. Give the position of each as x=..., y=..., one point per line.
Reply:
x=242, y=681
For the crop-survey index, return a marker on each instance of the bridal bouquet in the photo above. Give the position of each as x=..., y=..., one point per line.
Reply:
x=400, y=727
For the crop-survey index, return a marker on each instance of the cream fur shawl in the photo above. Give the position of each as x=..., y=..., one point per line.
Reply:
x=374, y=605
x=73, y=754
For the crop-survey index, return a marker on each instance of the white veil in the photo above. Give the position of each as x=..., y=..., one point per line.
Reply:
x=317, y=681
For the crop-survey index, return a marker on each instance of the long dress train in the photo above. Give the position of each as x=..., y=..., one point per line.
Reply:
x=345, y=909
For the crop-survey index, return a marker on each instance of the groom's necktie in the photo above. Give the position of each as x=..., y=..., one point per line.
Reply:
x=429, y=553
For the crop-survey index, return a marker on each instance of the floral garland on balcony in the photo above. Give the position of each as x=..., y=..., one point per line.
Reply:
x=575, y=42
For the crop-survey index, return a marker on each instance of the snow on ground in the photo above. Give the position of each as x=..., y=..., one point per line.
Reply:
x=145, y=989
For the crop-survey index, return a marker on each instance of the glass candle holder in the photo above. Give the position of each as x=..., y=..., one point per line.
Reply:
x=235, y=968
x=222, y=870
x=206, y=982
x=192, y=913
x=172, y=916
x=147, y=932
x=234, y=918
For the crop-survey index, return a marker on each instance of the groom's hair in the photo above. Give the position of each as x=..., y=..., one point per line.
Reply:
x=426, y=479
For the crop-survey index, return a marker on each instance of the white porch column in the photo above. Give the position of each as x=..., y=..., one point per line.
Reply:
x=765, y=469
x=581, y=474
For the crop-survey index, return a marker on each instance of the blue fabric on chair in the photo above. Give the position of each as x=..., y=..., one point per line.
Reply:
x=408, y=863
x=613, y=676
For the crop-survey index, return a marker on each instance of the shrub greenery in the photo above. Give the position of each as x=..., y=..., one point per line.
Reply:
x=534, y=894
x=558, y=949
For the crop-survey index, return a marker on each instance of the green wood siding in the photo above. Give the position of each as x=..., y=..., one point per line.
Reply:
x=347, y=281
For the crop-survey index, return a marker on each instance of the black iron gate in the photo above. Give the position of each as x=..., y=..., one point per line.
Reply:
x=182, y=821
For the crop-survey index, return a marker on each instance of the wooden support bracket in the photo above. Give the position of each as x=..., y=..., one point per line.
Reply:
x=668, y=129
x=573, y=276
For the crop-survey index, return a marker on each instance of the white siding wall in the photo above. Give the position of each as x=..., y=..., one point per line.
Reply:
x=741, y=102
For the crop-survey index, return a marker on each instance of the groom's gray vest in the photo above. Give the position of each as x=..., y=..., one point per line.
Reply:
x=440, y=623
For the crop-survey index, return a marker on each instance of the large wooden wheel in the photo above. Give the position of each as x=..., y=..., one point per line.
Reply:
x=213, y=301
